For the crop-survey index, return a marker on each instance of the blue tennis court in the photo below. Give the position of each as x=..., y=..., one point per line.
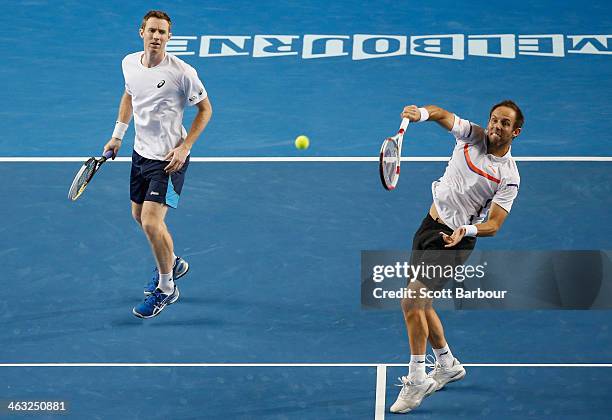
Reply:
x=269, y=323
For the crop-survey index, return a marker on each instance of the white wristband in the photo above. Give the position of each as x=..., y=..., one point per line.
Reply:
x=470, y=230
x=120, y=129
x=424, y=114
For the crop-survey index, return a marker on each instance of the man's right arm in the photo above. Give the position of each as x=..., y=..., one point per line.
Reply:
x=124, y=116
x=441, y=116
x=125, y=109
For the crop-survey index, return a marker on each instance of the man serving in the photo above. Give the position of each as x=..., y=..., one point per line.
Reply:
x=473, y=198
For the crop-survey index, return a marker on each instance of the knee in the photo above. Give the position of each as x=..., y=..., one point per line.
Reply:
x=411, y=307
x=137, y=217
x=151, y=227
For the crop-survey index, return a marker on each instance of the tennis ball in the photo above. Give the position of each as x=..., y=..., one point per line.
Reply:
x=302, y=142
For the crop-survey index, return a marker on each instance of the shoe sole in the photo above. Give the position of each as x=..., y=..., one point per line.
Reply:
x=178, y=276
x=141, y=316
x=136, y=314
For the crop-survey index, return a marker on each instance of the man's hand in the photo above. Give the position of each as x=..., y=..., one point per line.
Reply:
x=453, y=239
x=113, y=144
x=412, y=113
x=177, y=158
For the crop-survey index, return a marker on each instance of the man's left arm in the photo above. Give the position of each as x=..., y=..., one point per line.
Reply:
x=178, y=155
x=497, y=216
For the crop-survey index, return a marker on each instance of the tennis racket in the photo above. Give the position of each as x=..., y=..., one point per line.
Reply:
x=391, y=156
x=85, y=174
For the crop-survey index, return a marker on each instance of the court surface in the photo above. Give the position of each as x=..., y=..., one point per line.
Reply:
x=269, y=324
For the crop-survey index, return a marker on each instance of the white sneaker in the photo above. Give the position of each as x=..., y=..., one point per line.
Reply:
x=443, y=375
x=411, y=395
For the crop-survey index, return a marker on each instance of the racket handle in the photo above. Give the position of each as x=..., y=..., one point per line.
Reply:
x=404, y=125
x=108, y=154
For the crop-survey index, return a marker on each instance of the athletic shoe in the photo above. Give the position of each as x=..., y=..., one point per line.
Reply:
x=443, y=375
x=179, y=270
x=155, y=303
x=411, y=395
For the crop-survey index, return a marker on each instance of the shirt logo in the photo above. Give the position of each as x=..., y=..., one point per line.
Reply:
x=153, y=193
x=160, y=84
x=194, y=97
x=492, y=169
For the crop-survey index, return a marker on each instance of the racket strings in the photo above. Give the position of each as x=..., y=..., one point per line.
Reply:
x=390, y=161
x=82, y=179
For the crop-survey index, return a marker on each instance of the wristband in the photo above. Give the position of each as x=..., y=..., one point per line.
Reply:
x=120, y=129
x=424, y=114
x=470, y=230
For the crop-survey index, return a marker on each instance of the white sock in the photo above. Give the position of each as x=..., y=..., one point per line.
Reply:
x=444, y=356
x=416, y=369
x=173, y=257
x=165, y=283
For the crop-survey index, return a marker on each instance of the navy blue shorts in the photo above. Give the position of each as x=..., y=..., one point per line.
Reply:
x=428, y=249
x=149, y=182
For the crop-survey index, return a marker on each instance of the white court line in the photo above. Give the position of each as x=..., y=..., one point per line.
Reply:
x=381, y=370
x=381, y=390
x=314, y=159
x=376, y=365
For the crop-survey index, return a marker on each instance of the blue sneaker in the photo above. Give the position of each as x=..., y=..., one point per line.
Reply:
x=155, y=303
x=181, y=267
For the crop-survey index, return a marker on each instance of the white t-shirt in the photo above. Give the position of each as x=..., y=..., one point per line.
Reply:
x=159, y=95
x=473, y=179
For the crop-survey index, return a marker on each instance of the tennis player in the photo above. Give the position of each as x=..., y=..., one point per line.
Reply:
x=473, y=198
x=158, y=86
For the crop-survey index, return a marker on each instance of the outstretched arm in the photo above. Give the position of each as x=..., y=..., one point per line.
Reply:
x=441, y=116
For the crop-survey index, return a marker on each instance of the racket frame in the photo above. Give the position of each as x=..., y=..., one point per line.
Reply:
x=98, y=163
x=398, y=139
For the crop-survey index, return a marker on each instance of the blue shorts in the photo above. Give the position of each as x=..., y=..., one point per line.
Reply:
x=149, y=182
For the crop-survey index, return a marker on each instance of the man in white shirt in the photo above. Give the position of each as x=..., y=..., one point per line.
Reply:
x=472, y=199
x=158, y=86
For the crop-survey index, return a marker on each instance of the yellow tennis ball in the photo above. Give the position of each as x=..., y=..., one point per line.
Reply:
x=302, y=142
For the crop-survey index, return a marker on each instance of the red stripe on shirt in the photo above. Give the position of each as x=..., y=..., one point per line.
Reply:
x=475, y=168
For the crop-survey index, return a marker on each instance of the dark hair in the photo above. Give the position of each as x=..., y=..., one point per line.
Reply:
x=520, y=119
x=156, y=14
